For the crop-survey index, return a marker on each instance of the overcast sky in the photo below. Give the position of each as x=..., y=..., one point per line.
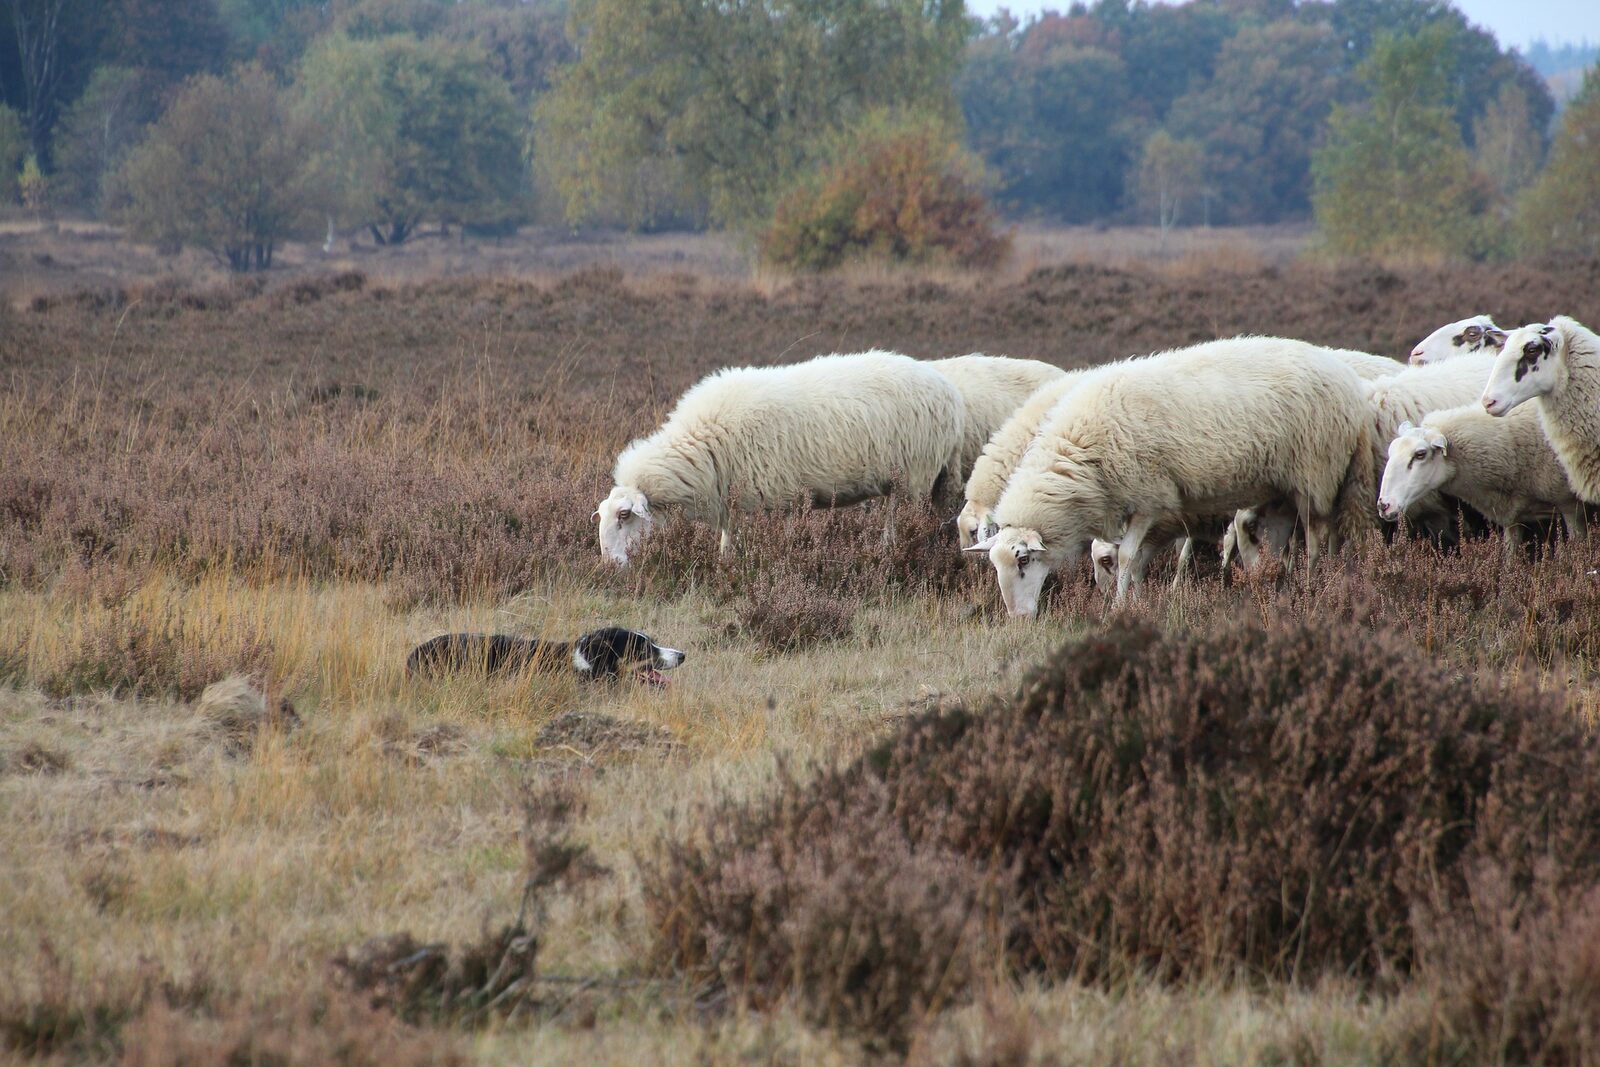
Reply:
x=1515, y=22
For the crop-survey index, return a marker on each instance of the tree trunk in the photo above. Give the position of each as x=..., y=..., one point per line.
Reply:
x=38, y=26
x=377, y=235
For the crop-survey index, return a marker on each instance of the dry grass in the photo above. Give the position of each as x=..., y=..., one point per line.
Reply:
x=299, y=480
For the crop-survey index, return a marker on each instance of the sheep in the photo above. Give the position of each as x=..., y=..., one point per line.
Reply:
x=992, y=388
x=1367, y=366
x=840, y=429
x=1179, y=535
x=1409, y=395
x=1475, y=334
x=1504, y=468
x=1255, y=532
x=1197, y=431
x=1000, y=456
x=1557, y=363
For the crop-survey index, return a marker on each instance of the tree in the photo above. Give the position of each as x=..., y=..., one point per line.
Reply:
x=731, y=100
x=224, y=170
x=1560, y=211
x=1395, y=175
x=47, y=50
x=170, y=39
x=412, y=130
x=1050, y=124
x=1170, y=173
x=13, y=146
x=1260, y=115
x=1506, y=143
x=98, y=129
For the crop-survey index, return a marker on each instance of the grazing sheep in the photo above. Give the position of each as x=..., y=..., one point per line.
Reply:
x=1475, y=334
x=1256, y=532
x=1367, y=366
x=840, y=429
x=1411, y=394
x=991, y=388
x=1180, y=536
x=1503, y=467
x=1000, y=457
x=1198, y=431
x=1559, y=364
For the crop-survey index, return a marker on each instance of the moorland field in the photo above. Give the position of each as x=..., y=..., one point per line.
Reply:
x=298, y=479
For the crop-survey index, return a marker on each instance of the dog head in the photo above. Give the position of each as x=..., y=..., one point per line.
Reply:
x=613, y=652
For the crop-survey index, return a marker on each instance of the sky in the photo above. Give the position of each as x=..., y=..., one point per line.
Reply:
x=1514, y=22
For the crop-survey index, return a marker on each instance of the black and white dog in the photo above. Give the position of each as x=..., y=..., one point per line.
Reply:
x=607, y=653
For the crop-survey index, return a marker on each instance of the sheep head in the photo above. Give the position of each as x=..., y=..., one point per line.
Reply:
x=1476, y=334
x=1531, y=364
x=1020, y=565
x=625, y=520
x=1418, y=464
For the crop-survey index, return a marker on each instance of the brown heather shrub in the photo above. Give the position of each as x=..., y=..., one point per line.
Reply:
x=900, y=192
x=787, y=614
x=1513, y=974
x=1272, y=803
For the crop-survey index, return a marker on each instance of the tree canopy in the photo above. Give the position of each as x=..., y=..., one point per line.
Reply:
x=728, y=101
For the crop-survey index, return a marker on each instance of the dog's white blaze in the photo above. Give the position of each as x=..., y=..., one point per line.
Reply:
x=580, y=662
x=668, y=658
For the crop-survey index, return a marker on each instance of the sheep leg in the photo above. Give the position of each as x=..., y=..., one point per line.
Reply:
x=1185, y=558
x=725, y=543
x=888, y=521
x=1513, y=540
x=1132, y=558
x=1310, y=526
x=1577, y=521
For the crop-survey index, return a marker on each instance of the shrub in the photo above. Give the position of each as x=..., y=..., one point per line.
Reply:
x=1272, y=802
x=904, y=192
x=788, y=614
x=13, y=143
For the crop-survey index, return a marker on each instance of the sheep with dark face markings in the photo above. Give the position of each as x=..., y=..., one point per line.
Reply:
x=1198, y=431
x=1556, y=364
x=838, y=429
x=1464, y=338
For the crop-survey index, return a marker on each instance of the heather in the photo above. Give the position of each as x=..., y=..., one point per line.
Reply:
x=1261, y=821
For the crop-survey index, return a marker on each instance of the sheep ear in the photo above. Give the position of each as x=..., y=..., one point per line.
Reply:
x=1404, y=428
x=1494, y=338
x=983, y=546
x=596, y=516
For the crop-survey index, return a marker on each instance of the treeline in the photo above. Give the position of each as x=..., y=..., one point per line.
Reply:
x=824, y=130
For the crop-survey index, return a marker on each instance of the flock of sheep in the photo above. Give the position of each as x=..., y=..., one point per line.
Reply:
x=1264, y=442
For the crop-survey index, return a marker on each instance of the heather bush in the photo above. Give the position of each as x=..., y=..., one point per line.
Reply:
x=785, y=615
x=1513, y=973
x=899, y=191
x=1274, y=803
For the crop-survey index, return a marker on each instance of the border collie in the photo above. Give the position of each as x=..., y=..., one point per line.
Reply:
x=607, y=653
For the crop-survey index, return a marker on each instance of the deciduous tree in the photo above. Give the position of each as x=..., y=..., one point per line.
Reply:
x=224, y=170
x=731, y=100
x=1560, y=212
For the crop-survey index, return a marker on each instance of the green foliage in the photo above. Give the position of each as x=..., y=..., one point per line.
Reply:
x=1560, y=212
x=1506, y=143
x=1395, y=176
x=1171, y=174
x=411, y=130
x=98, y=130
x=1259, y=117
x=901, y=190
x=1049, y=125
x=169, y=39
x=33, y=185
x=13, y=143
x=222, y=170
x=725, y=103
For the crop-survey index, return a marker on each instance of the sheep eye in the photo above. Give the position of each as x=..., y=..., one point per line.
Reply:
x=1421, y=453
x=1533, y=348
x=1472, y=333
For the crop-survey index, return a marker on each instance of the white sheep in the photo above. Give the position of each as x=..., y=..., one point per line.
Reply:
x=1503, y=467
x=839, y=429
x=1367, y=366
x=1179, y=536
x=1000, y=456
x=1559, y=364
x=992, y=388
x=1411, y=394
x=1199, y=431
x=1254, y=533
x=1475, y=334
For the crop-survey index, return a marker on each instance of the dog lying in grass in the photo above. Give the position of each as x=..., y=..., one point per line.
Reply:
x=608, y=653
